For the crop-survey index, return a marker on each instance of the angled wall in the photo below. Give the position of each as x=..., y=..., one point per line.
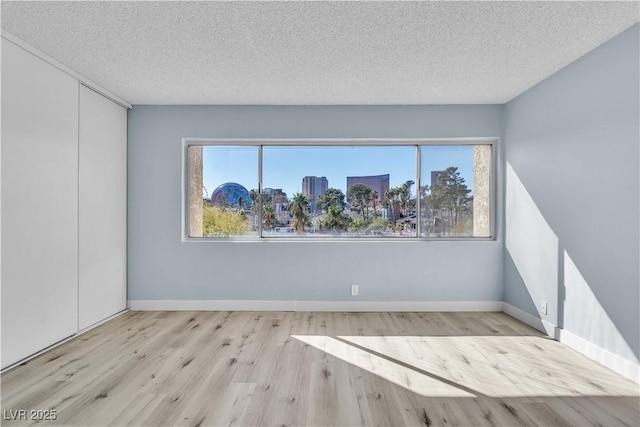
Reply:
x=572, y=202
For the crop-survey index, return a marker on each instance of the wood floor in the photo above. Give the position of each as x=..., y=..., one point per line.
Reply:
x=285, y=368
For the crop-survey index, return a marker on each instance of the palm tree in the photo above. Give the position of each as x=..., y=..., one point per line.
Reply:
x=359, y=197
x=299, y=208
x=268, y=216
x=392, y=202
x=331, y=197
x=405, y=197
x=336, y=220
x=374, y=203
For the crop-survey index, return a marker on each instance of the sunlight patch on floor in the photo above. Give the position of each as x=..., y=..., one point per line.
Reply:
x=410, y=379
x=455, y=366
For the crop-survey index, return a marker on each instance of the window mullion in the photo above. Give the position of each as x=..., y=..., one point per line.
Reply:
x=260, y=190
x=418, y=193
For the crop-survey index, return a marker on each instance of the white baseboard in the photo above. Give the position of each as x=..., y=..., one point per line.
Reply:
x=353, y=306
x=391, y=306
x=542, y=325
x=612, y=361
x=69, y=338
x=210, y=305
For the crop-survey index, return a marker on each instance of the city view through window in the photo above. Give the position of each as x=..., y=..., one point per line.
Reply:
x=339, y=191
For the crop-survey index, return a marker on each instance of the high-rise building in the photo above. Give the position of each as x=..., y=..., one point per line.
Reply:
x=312, y=188
x=435, y=177
x=378, y=183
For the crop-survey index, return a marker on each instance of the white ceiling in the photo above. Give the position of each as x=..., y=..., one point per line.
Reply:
x=314, y=53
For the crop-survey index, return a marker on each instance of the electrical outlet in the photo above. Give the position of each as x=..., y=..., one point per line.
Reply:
x=354, y=290
x=543, y=307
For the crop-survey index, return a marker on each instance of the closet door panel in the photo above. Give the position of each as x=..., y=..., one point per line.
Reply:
x=39, y=204
x=103, y=212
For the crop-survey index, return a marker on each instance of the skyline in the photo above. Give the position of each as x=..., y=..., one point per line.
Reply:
x=285, y=166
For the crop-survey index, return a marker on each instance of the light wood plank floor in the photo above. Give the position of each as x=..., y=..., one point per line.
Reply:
x=285, y=368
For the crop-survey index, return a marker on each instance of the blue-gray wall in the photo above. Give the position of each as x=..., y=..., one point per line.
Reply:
x=572, y=197
x=162, y=267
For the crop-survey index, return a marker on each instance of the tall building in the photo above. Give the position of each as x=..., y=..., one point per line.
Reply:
x=312, y=188
x=435, y=177
x=378, y=183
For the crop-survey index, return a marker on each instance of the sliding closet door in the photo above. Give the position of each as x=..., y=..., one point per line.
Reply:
x=103, y=212
x=39, y=204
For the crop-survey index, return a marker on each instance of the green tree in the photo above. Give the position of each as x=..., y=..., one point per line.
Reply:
x=331, y=197
x=268, y=216
x=449, y=199
x=379, y=224
x=357, y=224
x=254, y=195
x=218, y=222
x=299, y=210
x=280, y=197
x=257, y=198
x=374, y=203
x=336, y=220
x=360, y=197
x=206, y=200
x=392, y=202
x=406, y=203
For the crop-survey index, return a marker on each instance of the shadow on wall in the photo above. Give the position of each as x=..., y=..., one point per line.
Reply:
x=549, y=274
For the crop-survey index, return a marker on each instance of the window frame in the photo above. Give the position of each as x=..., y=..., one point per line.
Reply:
x=337, y=142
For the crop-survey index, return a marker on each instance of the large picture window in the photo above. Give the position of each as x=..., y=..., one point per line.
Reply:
x=283, y=190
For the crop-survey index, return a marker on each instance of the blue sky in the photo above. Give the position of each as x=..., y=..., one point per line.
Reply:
x=284, y=167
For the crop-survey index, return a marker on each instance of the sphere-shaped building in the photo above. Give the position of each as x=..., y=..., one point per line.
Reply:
x=231, y=194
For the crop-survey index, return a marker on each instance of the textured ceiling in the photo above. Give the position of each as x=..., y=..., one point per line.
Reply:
x=310, y=53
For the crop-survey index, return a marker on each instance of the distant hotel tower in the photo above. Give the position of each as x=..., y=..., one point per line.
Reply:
x=312, y=188
x=378, y=183
x=435, y=177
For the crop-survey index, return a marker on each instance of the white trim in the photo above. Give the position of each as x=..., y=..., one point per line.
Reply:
x=540, y=324
x=624, y=367
x=490, y=140
x=210, y=305
x=612, y=361
x=73, y=73
x=70, y=337
x=340, y=306
x=391, y=306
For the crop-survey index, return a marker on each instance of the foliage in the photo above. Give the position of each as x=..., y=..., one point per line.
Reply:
x=398, y=200
x=449, y=199
x=299, y=210
x=336, y=220
x=257, y=197
x=206, y=200
x=357, y=224
x=392, y=202
x=218, y=222
x=280, y=197
x=331, y=197
x=254, y=195
x=406, y=203
x=268, y=216
x=360, y=197
x=379, y=224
